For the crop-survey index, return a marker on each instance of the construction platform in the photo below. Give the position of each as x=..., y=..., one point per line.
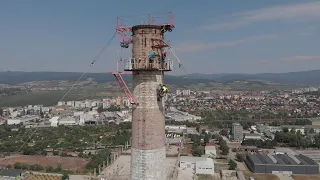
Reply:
x=145, y=65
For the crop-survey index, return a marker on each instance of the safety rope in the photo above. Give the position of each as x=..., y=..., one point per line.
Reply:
x=91, y=64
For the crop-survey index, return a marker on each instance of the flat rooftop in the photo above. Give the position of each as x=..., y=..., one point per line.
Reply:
x=281, y=159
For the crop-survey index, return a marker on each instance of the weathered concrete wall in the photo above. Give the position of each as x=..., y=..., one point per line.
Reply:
x=152, y=161
x=148, y=130
x=144, y=38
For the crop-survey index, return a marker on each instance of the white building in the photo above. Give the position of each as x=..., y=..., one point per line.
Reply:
x=252, y=136
x=205, y=167
x=201, y=165
x=54, y=121
x=67, y=121
x=61, y=103
x=22, y=119
x=210, y=150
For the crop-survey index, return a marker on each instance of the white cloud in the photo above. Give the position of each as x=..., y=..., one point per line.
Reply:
x=196, y=46
x=297, y=12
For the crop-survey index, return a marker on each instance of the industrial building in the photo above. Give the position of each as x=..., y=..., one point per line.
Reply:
x=282, y=164
x=7, y=174
x=202, y=165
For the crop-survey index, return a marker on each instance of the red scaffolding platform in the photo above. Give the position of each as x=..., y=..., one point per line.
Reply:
x=124, y=30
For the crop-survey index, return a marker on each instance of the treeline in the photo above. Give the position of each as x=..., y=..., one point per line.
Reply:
x=268, y=144
x=301, y=122
x=294, y=138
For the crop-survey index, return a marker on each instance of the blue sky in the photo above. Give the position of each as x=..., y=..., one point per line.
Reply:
x=211, y=36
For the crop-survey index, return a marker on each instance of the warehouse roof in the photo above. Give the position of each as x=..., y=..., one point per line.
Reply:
x=284, y=159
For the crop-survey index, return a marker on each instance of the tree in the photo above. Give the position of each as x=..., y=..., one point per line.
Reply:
x=197, y=151
x=232, y=165
x=311, y=131
x=206, y=138
x=293, y=131
x=285, y=130
x=17, y=165
x=55, y=153
x=100, y=109
x=65, y=177
x=240, y=156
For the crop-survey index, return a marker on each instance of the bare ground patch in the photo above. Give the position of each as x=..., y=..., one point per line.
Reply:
x=71, y=163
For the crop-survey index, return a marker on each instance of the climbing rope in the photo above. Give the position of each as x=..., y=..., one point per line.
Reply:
x=90, y=65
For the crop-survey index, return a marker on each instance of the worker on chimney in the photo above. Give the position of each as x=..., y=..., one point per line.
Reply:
x=164, y=55
x=162, y=90
x=151, y=56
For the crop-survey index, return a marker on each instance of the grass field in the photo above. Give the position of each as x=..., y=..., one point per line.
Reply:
x=49, y=98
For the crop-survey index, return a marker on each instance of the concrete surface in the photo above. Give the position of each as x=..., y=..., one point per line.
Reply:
x=123, y=166
x=185, y=174
x=147, y=164
x=284, y=177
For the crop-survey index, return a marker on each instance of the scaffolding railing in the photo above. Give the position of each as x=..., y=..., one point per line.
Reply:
x=138, y=64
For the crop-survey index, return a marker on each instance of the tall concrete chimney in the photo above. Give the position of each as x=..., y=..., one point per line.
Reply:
x=148, y=150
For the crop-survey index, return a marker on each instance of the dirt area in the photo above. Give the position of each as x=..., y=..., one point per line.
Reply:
x=248, y=174
x=71, y=163
x=265, y=177
x=41, y=177
x=205, y=177
x=187, y=149
x=306, y=177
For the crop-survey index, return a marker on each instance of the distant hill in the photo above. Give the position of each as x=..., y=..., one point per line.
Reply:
x=15, y=77
x=304, y=77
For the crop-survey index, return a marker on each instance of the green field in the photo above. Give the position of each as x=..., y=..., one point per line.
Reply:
x=49, y=98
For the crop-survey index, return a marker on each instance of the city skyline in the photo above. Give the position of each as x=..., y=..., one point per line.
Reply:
x=229, y=36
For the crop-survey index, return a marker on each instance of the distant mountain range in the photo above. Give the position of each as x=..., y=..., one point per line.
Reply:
x=303, y=77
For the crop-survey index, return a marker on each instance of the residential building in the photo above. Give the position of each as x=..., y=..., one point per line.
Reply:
x=237, y=132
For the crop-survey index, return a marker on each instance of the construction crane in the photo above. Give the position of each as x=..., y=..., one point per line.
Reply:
x=117, y=74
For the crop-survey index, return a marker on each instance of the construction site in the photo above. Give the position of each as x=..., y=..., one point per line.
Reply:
x=147, y=65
